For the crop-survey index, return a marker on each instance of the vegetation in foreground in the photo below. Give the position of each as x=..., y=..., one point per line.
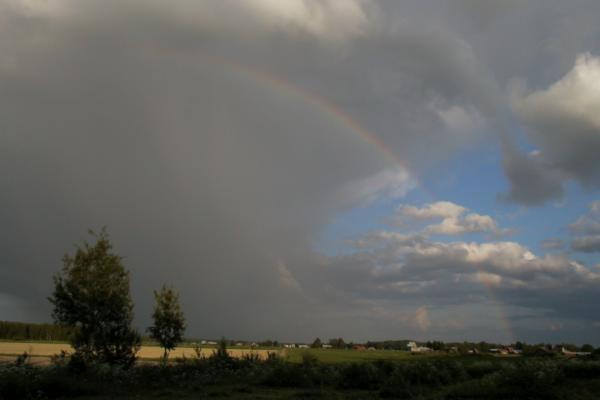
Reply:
x=450, y=377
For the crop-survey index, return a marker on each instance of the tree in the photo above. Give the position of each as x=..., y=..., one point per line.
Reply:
x=588, y=348
x=222, y=352
x=337, y=343
x=91, y=295
x=169, y=322
x=316, y=343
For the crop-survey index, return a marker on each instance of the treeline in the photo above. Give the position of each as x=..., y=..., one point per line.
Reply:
x=458, y=347
x=29, y=331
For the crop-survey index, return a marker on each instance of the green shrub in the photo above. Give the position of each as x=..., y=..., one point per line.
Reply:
x=578, y=369
x=360, y=376
x=533, y=379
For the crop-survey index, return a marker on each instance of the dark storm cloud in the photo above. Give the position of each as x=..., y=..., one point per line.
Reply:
x=531, y=182
x=152, y=122
x=169, y=124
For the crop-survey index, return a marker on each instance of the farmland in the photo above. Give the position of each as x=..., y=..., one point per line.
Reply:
x=329, y=356
x=43, y=350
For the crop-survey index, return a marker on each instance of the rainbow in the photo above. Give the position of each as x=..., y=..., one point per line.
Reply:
x=324, y=106
x=337, y=114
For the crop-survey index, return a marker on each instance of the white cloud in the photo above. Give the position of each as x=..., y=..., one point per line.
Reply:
x=458, y=120
x=564, y=124
x=391, y=183
x=393, y=266
x=323, y=18
x=455, y=221
x=575, y=97
x=440, y=209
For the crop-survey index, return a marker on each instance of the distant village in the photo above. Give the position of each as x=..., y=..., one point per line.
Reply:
x=413, y=347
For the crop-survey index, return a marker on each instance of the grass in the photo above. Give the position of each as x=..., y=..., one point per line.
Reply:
x=334, y=356
x=247, y=393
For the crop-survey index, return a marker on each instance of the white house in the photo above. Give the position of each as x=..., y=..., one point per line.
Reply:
x=414, y=348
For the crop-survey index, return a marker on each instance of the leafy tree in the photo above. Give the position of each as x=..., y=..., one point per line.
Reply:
x=337, y=343
x=437, y=345
x=587, y=348
x=169, y=322
x=317, y=343
x=91, y=295
x=222, y=352
x=519, y=345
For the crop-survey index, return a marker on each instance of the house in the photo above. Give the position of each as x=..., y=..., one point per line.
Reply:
x=414, y=348
x=289, y=346
x=303, y=346
x=420, y=349
x=327, y=346
x=359, y=347
x=568, y=353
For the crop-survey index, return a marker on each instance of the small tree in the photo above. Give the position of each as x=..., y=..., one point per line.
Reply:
x=316, y=343
x=169, y=322
x=91, y=295
x=222, y=352
x=588, y=348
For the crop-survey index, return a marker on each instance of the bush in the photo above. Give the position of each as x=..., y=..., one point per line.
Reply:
x=360, y=376
x=479, y=369
x=534, y=379
x=414, y=379
x=582, y=369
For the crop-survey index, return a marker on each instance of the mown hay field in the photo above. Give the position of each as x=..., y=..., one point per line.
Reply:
x=12, y=349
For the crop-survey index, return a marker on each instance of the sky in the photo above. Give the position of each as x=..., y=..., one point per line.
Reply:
x=365, y=169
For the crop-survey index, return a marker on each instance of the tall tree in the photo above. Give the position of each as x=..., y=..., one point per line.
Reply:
x=91, y=295
x=169, y=321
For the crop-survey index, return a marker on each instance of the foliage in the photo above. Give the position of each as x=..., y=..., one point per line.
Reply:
x=30, y=331
x=169, y=322
x=91, y=295
x=448, y=378
x=316, y=343
x=337, y=343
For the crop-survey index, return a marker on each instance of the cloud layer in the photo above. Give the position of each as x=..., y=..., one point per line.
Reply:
x=217, y=141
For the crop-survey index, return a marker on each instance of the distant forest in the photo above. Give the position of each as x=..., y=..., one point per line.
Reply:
x=29, y=331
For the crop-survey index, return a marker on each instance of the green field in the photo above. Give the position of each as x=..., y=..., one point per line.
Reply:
x=342, y=356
